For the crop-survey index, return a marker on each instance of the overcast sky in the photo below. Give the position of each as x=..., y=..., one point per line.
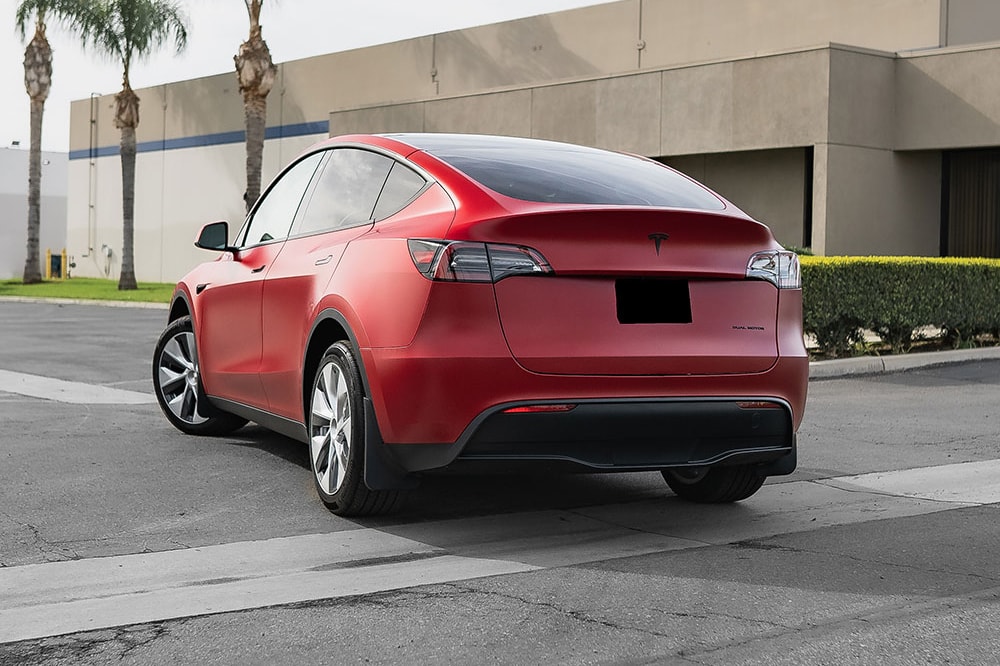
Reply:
x=293, y=29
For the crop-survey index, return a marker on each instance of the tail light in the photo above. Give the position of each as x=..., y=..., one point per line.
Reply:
x=463, y=261
x=779, y=267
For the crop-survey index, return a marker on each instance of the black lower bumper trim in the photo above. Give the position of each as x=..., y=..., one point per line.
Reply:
x=625, y=435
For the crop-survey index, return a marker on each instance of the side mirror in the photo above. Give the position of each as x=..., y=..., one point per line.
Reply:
x=215, y=236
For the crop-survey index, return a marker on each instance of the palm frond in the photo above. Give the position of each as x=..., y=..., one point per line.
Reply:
x=29, y=11
x=123, y=30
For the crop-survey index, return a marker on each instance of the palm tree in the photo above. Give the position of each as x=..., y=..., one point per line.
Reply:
x=256, y=73
x=126, y=31
x=37, y=82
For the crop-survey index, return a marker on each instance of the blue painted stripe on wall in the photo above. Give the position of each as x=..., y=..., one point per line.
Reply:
x=219, y=138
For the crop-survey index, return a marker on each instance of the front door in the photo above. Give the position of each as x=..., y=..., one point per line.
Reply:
x=229, y=301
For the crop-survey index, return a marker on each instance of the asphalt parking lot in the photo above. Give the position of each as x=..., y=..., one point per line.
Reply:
x=879, y=549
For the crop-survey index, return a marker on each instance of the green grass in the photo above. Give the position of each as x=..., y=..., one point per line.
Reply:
x=91, y=289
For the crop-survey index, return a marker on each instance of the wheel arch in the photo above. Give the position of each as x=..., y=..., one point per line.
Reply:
x=180, y=307
x=382, y=471
x=330, y=326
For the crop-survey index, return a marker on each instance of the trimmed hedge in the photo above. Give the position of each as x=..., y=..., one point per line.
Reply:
x=892, y=296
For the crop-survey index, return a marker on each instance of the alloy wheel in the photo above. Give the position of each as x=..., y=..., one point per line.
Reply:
x=177, y=374
x=330, y=428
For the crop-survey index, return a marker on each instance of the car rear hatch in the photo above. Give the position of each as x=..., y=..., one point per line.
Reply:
x=637, y=292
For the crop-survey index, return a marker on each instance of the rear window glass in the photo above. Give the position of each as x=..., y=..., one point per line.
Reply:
x=562, y=173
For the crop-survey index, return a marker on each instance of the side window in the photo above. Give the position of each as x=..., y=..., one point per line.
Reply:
x=402, y=185
x=273, y=217
x=346, y=191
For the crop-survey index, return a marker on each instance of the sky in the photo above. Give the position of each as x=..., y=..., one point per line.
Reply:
x=293, y=29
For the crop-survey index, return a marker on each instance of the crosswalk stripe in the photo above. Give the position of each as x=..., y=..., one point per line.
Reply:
x=67, y=597
x=62, y=390
x=971, y=482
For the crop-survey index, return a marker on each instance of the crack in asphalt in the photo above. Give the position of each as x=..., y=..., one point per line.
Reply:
x=53, y=551
x=105, y=645
x=727, y=616
x=69, y=550
x=576, y=615
x=759, y=544
x=910, y=606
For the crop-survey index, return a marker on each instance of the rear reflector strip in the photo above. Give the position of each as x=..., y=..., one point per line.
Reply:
x=538, y=409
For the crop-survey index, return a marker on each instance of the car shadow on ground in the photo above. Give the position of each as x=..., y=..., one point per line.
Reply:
x=253, y=436
x=467, y=493
x=462, y=494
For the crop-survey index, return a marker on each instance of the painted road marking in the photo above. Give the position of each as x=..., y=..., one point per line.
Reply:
x=973, y=482
x=77, y=393
x=67, y=597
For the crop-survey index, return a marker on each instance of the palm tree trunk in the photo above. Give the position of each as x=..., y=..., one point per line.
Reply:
x=255, y=112
x=127, y=278
x=256, y=73
x=126, y=119
x=37, y=82
x=32, y=265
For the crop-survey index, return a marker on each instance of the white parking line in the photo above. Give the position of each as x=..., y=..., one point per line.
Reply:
x=972, y=483
x=67, y=597
x=77, y=393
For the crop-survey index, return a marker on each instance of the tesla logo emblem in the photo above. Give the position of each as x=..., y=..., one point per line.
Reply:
x=657, y=239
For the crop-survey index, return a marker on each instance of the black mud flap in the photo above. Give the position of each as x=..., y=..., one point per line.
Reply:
x=381, y=471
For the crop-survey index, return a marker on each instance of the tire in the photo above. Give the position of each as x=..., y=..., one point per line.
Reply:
x=714, y=485
x=336, y=423
x=177, y=384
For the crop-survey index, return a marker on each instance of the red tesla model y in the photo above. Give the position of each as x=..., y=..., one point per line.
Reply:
x=402, y=303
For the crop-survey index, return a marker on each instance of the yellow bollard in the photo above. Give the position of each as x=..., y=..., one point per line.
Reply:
x=64, y=266
x=48, y=264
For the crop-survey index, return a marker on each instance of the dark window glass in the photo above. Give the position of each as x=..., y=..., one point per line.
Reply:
x=346, y=191
x=400, y=188
x=554, y=172
x=273, y=217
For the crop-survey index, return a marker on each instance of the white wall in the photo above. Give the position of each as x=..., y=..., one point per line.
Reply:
x=14, y=208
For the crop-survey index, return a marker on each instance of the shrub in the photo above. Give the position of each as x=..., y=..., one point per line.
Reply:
x=892, y=296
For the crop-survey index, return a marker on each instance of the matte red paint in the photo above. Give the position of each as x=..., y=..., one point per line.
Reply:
x=437, y=355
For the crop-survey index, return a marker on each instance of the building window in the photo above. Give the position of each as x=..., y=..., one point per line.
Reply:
x=971, y=209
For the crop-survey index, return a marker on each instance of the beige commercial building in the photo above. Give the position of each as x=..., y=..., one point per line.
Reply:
x=849, y=126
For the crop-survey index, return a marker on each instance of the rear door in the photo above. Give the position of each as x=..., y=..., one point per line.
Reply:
x=339, y=207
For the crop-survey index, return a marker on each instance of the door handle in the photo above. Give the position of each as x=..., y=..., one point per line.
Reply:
x=258, y=270
x=325, y=260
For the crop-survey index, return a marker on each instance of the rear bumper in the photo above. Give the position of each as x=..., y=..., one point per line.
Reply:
x=621, y=434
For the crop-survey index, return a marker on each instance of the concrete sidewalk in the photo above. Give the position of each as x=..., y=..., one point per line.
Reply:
x=841, y=367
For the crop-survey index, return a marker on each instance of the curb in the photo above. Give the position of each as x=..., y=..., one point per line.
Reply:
x=876, y=365
x=80, y=301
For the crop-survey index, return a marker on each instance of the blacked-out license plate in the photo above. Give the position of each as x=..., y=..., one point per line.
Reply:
x=653, y=301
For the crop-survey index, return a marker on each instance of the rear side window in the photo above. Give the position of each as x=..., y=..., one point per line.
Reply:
x=578, y=175
x=402, y=185
x=346, y=191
